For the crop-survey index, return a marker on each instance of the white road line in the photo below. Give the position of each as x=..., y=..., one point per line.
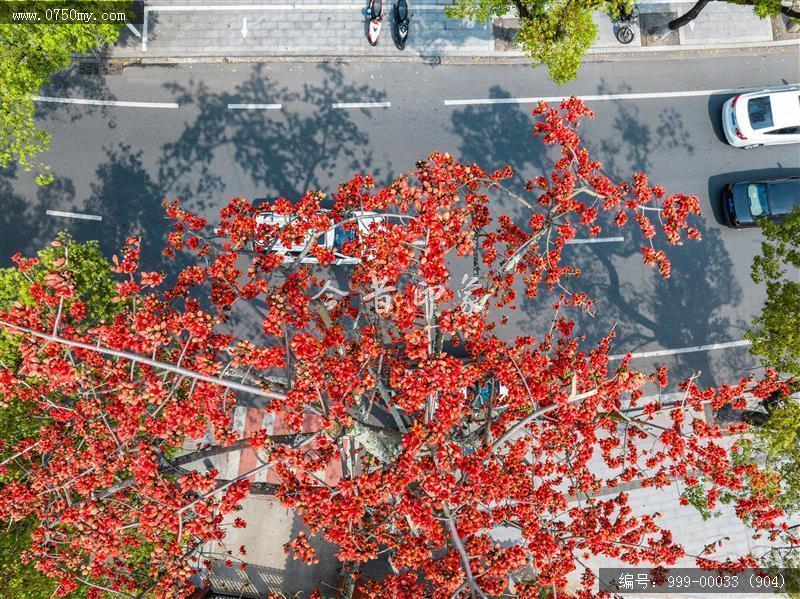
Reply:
x=133, y=30
x=597, y=98
x=683, y=350
x=596, y=240
x=73, y=215
x=361, y=105
x=254, y=106
x=106, y=102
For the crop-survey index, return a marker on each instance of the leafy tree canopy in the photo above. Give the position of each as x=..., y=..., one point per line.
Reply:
x=558, y=33
x=775, y=337
x=775, y=333
x=84, y=264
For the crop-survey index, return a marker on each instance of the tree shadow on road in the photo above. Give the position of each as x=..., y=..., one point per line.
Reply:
x=24, y=229
x=496, y=135
x=86, y=79
x=123, y=184
x=636, y=136
x=284, y=153
x=693, y=307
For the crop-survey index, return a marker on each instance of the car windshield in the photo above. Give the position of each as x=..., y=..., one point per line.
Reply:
x=760, y=112
x=341, y=237
x=757, y=197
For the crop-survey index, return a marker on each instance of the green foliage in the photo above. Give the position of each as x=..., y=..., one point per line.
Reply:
x=558, y=33
x=559, y=37
x=762, y=8
x=481, y=11
x=29, y=54
x=778, y=439
x=92, y=275
x=18, y=580
x=88, y=269
x=696, y=496
x=775, y=337
x=775, y=333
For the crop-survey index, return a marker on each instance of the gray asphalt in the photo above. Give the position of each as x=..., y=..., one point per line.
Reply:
x=120, y=162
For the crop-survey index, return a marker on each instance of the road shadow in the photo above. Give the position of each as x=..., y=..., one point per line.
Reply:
x=647, y=312
x=715, y=102
x=284, y=153
x=494, y=135
x=141, y=213
x=20, y=218
x=83, y=79
x=637, y=136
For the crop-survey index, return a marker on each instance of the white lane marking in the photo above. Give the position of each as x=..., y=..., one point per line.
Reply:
x=361, y=105
x=596, y=240
x=598, y=98
x=683, y=350
x=73, y=215
x=106, y=102
x=254, y=106
x=133, y=30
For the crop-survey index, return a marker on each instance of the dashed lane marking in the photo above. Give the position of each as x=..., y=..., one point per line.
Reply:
x=361, y=105
x=117, y=103
x=254, y=106
x=596, y=240
x=73, y=215
x=598, y=98
x=683, y=350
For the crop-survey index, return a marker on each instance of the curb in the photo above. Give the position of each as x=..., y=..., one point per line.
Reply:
x=510, y=57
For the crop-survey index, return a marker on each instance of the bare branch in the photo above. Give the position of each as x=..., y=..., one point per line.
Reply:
x=142, y=360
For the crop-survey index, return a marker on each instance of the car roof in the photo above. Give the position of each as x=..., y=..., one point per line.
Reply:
x=271, y=218
x=785, y=108
x=783, y=195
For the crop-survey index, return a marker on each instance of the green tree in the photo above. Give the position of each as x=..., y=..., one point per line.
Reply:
x=29, y=55
x=558, y=33
x=83, y=263
x=87, y=268
x=775, y=333
x=775, y=338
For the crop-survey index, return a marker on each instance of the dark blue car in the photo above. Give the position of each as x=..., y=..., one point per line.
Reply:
x=745, y=203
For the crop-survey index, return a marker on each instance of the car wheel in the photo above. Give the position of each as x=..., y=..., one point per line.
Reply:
x=751, y=146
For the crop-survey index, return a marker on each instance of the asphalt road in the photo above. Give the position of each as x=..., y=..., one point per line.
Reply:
x=118, y=162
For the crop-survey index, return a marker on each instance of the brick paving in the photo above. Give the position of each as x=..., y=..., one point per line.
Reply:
x=214, y=29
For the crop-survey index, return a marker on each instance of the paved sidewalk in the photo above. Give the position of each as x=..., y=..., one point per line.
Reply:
x=195, y=29
x=270, y=525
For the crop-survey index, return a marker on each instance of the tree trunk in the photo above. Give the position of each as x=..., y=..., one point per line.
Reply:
x=522, y=9
x=691, y=15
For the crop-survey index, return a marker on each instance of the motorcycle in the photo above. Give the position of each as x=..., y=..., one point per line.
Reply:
x=624, y=23
x=374, y=21
x=401, y=22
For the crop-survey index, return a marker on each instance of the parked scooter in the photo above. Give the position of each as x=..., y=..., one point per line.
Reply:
x=402, y=20
x=624, y=23
x=374, y=21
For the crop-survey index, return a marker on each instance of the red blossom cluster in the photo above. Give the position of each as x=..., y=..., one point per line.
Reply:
x=447, y=427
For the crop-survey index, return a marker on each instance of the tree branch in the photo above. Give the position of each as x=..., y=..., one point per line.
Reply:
x=142, y=360
x=473, y=586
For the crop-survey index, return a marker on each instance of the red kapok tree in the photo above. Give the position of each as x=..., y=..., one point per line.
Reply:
x=446, y=425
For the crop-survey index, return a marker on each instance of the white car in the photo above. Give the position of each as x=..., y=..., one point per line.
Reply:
x=332, y=239
x=764, y=118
